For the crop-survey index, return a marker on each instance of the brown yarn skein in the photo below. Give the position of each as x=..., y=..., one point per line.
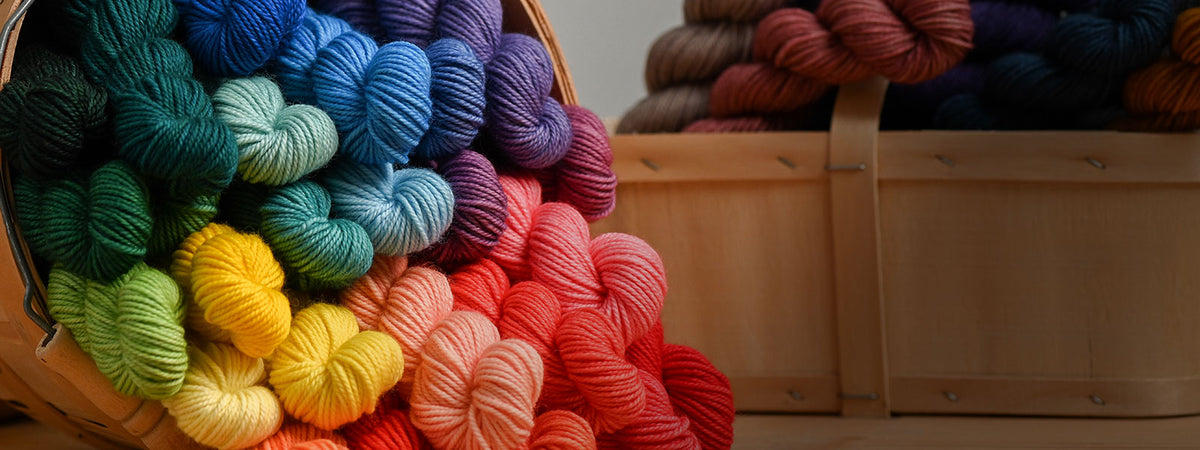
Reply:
x=693, y=53
x=696, y=11
x=667, y=111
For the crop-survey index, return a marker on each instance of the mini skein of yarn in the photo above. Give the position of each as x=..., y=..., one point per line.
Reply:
x=388, y=428
x=523, y=121
x=132, y=327
x=1161, y=96
x=584, y=178
x=295, y=435
x=278, y=143
x=457, y=92
x=225, y=402
x=235, y=283
x=317, y=252
x=404, y=302
x=164, y=124
x=668, y=110
x=52, y=119
x=734, y=10
x=403, y=211
x=97, y=226
x=696, y=53
x=474, y=22
x=360, y=14
x=176, y=218
x=327, y=373
x=479, y=210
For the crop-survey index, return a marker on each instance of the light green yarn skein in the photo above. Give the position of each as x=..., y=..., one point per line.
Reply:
x=277, y=143
x=132, y=327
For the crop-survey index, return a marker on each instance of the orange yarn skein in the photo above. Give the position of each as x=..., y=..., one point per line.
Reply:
x=1166, y=95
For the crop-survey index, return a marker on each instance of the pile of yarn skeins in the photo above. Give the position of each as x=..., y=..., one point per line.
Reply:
x=977, y=65
x=360, y=224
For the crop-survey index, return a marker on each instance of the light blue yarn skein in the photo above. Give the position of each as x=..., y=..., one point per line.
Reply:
x=404, y=211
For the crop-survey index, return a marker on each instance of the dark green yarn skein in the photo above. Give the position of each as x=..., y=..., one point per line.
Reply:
x=176, y=218
x=317, y=252
x=97, y=226
x=163, y=123
x=52, y=119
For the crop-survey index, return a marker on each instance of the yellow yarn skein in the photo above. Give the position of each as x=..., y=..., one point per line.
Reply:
x=235, y=286
x=327, y=373
x=224, y=402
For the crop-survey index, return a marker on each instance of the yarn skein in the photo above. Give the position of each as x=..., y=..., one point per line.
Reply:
x=235, y=283
x=457, y=91
x=697, y=11
x=318, y=252
x=175, y=218
x=1161, y=96
x=524, y=122
x=404, y=302
x=164, y=124
x=476, y=23
x=97, y=226
x=668, y=110
x=294, y=435
x=52, y=119
x=278, y=143
x=584, y=178
x=474, y=390
x=403, y=211
x=696, y=53
x=388, y=428
x=360, y=14
x=479, y=210
x=327, y=373
x=225, y=402
x=132, y=327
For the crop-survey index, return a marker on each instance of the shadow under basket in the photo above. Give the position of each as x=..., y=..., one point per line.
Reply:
x=871, y=273
x=43, y=372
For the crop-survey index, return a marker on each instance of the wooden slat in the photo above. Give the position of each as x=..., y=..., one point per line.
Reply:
x=816, y=394
x=655, y=158
x=1040, y=156
x=858, y=285
x=1047, y=397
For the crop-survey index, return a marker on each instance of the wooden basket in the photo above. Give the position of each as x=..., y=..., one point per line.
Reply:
x=869, y=273
x=43, y=372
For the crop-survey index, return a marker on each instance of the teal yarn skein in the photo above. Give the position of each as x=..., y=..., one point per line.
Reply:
x=132, y=327
x=278, y=143
x=404, y=211
x=97, y=226
x=163, y=123
x=52, y=118
x=316, y=251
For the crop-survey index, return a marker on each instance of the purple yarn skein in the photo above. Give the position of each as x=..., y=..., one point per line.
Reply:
x=480, y=210
x=421, y=22
x=523, y=121
x=359, y=13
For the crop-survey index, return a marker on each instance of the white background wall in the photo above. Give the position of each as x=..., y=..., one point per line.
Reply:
x=606, y=42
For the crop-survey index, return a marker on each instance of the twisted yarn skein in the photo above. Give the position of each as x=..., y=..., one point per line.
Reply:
x=327, y=373
x=235, y=283
x=524, y=122
x=278, y=143
x=668, y=110
x=132, y=327
x=696, y=11
x=479, y=209
x=457, y=91
x=584, y=177
x=404, y=302
x=403, y=211
x=96, y=225
x=225, y=402
x=52, y=119
x=388, y=428
x=294, y=435
x=360, y=14
x=318, y=252
x=561, y=430
x=164, y=124
x=696, y=53
x=1161, y=97
x=175, y=218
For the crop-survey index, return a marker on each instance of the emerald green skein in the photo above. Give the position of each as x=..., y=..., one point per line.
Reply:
x=163, y=121
x=52, y=119
x=176, y=218
x=97, y=226
x=132, y=327
x=277, y=143
x=316, y=251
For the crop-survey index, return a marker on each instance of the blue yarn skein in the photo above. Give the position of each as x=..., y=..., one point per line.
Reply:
x=403, y=211
x=378, y=97
x=254, y=32
x=458, y=99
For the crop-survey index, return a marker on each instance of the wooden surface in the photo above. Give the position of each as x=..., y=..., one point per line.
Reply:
x=660, y=158
x=976, y=433
x=854, y=198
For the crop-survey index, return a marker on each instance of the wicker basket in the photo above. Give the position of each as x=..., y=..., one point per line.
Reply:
x=43, y=372
x=869, y=273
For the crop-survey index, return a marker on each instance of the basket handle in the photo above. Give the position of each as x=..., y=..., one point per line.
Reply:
x=32, y=293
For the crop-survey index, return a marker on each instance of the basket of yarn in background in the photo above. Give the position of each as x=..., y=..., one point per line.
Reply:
x=1008, y=181
x=272, y=224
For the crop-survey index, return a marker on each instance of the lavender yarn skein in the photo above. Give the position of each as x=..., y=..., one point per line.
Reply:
x=528, y=125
